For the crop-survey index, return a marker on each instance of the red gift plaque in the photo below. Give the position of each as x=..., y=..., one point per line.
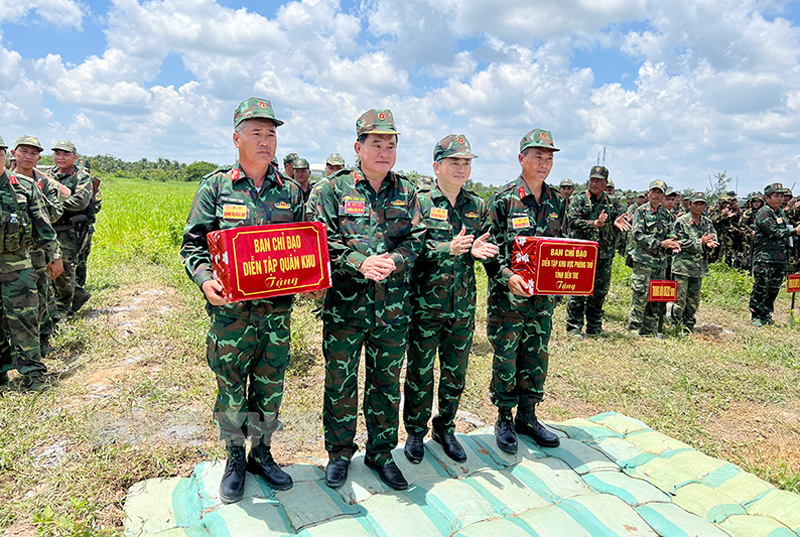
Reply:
x=793, y=283
x=273, y=260
x=553, y=266
x=663, y=291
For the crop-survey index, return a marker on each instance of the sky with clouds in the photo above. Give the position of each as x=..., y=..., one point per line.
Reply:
x=675, y=90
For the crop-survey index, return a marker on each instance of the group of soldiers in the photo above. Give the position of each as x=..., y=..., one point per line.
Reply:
x=47, y=220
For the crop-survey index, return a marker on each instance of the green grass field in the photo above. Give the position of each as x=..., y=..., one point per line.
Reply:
x=132, y=393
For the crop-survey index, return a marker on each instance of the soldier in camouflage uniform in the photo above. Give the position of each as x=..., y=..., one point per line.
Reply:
x=731, y=230
x=594, y=216
x=641, y=198
x=652, y=238
x=754, y=203
x=95, y=206
x=770, y=255
x=519, y=324
x=30, y=149
x=717, y=214
x=288, y=165
x=23, y=222
x=443, y=298
x=302, y=173
x=695, y=233
x=566, y=187
x=248, y=342
x=75, y=189
x=375, y=233
x=333, y=163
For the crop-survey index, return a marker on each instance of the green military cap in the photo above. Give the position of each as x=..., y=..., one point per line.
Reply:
x=335, y=159
x=787, y=191
x=2, y=144
x=731, y=194
x=659, y=184
x=641, y=194
x=254, y=108
x=601, y=172
x=288, y=159
x=32, y=141
x=453, y=145
x=376, y=121
x=699, y=196
x=687, y=196
x=772, y=188
x=566, y=182
x=537, y=138
x=671, y=192
x=611, y=184
x=65, y=145
x=300, y=164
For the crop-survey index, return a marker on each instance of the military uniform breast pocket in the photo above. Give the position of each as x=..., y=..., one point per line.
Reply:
x=398, y=221
x=281, y=213
x=438, y=230
x=519, y=224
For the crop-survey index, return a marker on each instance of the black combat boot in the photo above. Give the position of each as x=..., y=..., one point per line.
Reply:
x=527, y=424
x=260, y=462
x=504, y=432
x=415, y=448
x=231, y=488
x=452, y=448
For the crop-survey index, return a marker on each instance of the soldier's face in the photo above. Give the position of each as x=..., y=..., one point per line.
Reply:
x=536, y=163
x=27, y=157
x=378, y=154
x=2, y=159
x=610, y=189
x=598, y=185
x=453, y=171
x=257, y=142
x=301, y=175
x=65, y=160
x=289, y=169
x=685, y=204
x=671, y=202
x=329, y=168
x=775, y=200
x=656, y=196
x=697, y=209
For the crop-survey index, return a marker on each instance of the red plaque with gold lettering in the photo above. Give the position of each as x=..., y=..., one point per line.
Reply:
x=266, y=261
x=793, y=283
x=553, y=266
x=663, y=291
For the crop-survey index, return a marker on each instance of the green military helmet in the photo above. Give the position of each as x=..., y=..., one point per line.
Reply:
x=698, y=196
x=288, y=159
x=2, y=143
x=773, y=188
x=376, y=121
x=659, y=184
x=566, y=182
x=453, y=145
x=301, y=164
x=600, y=172
x=32, y=141
x=537, y=138
x=335, y=159
x=65, y=145
x=254, y=108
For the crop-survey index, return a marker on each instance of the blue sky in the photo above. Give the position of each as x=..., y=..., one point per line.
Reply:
x=675, y=91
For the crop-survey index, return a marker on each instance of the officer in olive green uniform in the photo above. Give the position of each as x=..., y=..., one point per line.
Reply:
x=288, y=165
x=248, y=343
x=652, y=239
x=770, y=255
x=697, y=237
x=519, y=324
x=302, y=173
x=567, y=188
x=75, y=188
x=594, y=215
x=443, y=298
x=23, y=222
x=375, y=233
x=95, y=206
x=333, y=163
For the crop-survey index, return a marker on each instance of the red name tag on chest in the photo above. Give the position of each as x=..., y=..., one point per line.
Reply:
x=355, y=207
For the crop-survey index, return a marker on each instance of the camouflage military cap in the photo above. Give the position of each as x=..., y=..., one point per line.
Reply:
x=566, y=182
x=537, y=138
x=687, y=196
x=601, y=172
x=772, y=188
x=671, y=192
x=376, y=121
x=2, y=144
x=453, y=145
x=787, y=191
x=254, y=108
x=32, y=141
x=659, y=184
x=699, y=196
x=82, y=163
x=731, y=194
x=301, y=164
x=611, y=184
x=335, y=159
x=288, y=159
x=64, y=145
x=641, y=194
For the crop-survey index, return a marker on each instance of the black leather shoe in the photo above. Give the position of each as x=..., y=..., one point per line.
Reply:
x=260, y=462
x=231, y=489
x=452, y=448
x=414, y=449
x=389, y=474
x=504, y=432
x=336, y=472
x=530, y=426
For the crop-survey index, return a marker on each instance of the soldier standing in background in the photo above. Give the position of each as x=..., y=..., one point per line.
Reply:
x=333, y=163
x=747, y=222
x=25, y=223
x=375, y=233
x=94, y=207
x=519, y=324
x=302, y=173
x=288, y=165
x=594, y=216
x=75, y=189
x=443, y=298
x=567, y=188
x=770, y=255
x=248, y=342
x=695, y=233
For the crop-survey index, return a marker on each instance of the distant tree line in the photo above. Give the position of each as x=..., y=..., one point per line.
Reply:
x=161, y=169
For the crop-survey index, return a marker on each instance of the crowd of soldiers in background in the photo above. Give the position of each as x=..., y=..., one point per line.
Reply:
x=51, y=210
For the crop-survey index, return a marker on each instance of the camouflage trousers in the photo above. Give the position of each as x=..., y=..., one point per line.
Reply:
x=65, y=284
x=453, y=339
x=591, y=306
x=519, y=367
x=248, y=351
x=383, y=357
x=47, y=306
x=687, y=301
x=768, y=279
x=19, y=347
x=83, y=256
x=644, y=314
